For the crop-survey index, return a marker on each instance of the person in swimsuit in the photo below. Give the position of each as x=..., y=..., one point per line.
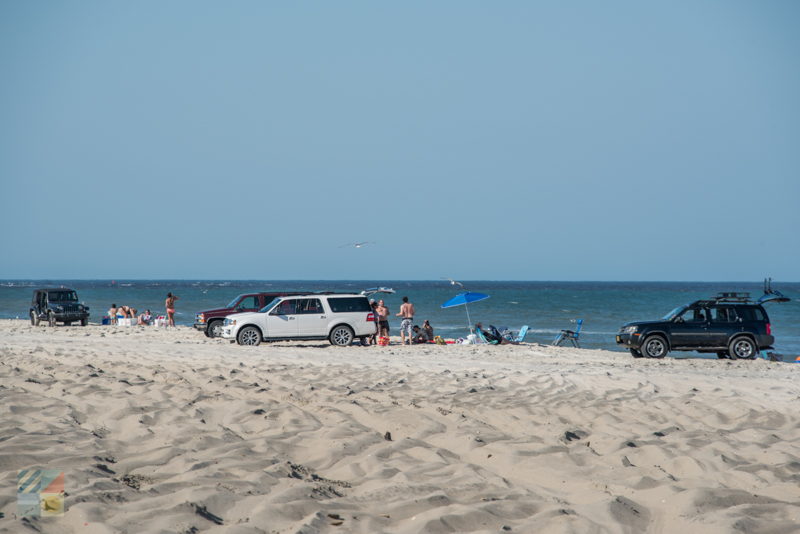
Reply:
x=407, y=313
x=383, y=319
x=112, y=314
x=170, y=305
x=145, y=318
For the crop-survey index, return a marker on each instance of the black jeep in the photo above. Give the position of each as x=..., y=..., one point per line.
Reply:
x=730, y=325
x=57, y=305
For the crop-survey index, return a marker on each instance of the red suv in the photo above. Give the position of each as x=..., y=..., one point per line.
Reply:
x=210, y=321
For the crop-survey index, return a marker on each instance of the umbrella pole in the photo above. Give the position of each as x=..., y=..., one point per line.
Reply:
x=469, y=321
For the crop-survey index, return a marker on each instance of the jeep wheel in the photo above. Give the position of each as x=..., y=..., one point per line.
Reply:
x=34, y=318
x=214, y=329
x=67, y=323
x=722, y=354
x=636, y=354
x=51, y=318
x=84, y=322
x=742, y=348
x=655, y=347
x=249, y=335
x=342, y=336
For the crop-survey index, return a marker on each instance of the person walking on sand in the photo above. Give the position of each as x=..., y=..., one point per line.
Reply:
x=170, y=305
x=406, y=325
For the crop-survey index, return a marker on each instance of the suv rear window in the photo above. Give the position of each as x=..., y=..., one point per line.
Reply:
x=349, y=304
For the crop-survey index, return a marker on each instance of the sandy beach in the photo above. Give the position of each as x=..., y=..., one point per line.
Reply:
x=168, y=431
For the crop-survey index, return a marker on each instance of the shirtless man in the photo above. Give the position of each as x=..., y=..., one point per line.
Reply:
x=112, y=314
x=383, y=319
x=407, y=313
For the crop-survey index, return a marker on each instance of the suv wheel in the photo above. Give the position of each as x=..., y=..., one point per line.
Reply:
x=655, y=347
x=722, y=354
x=742, y=348
x=84, y=322
x=214, y=329
x=34, y=318
x=636, y=354
x=249, y=335
x=51, y=318
x=342, y=336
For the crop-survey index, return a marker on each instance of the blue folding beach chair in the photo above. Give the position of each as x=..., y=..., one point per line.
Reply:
x=522, y=333
x=571, y=335
x=483, y=339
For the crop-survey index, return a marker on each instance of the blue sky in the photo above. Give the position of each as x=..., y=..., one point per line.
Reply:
x=514, y=140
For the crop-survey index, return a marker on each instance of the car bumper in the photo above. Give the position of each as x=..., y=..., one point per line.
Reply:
x=228, y=332
x=71, y=316
x=200, y=326
x=631, y=341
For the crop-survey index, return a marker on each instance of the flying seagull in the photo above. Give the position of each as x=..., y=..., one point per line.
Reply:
x=454, y=282
x=358, y=245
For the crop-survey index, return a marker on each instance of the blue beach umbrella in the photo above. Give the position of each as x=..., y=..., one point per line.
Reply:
x=465, y=298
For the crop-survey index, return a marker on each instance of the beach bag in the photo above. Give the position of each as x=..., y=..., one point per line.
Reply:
x=383, y=341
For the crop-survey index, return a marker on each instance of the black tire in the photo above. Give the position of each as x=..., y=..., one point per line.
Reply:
x=742, y=348
x=654, y=347
x=51, y=318
x=636, y=354
x=722, y=354
x=67, y=323
x=84, y=322
x=34, y=318
x=249, y=335
x=214, y=329
x=342, y=336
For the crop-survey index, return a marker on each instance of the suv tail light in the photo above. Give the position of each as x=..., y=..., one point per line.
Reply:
x=370, y=317
x=769, y=329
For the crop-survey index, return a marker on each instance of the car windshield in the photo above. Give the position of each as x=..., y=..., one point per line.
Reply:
x=232, y=303
x=62, y=296
x=269, y=306
x=674, y=313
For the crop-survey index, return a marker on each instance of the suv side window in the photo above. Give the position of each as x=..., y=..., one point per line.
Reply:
x=694, y=315
x=250, y=302
x=286, y=307
x=309, y=306
x=748, y=313
x=349, y=304
x=723, y=314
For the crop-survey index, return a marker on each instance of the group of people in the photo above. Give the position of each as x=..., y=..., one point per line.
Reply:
x=409, y=332
x=128, y=312
x=146, y=318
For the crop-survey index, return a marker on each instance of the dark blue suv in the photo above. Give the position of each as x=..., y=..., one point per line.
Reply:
x=730, y=325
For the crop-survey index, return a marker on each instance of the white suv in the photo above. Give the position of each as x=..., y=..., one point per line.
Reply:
x=339, y=317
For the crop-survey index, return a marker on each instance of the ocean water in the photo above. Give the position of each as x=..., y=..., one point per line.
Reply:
x=546, y=307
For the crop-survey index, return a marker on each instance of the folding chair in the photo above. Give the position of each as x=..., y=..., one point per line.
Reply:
x=522, y=333
x=482, y=338
x=571, y=335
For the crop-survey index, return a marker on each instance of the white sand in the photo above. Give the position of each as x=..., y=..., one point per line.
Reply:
x=154, y=428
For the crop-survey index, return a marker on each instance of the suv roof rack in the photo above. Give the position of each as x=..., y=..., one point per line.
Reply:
x=732, y=296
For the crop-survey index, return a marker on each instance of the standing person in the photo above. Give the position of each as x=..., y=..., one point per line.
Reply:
x=112, y=314
x=170, y=305
x=406, y=325
x=383, y=319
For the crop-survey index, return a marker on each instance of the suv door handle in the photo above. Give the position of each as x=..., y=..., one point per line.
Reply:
x=323, y=317
x=291, y=318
